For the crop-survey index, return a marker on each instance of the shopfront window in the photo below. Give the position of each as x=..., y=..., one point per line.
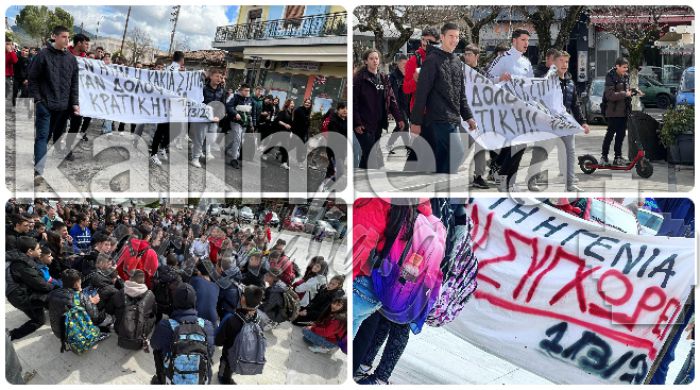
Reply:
x=327, y=92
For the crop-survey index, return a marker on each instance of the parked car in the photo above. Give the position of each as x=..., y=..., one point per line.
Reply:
x=274, y=222
x=668, y=75
x=655, y=93
x=246, y=214
x=214, y=210
x=229, y=210
x=592, y=99
x=324, y=229
x=686, y=89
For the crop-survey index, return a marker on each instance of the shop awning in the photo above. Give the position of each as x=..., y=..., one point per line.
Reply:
x=321, y=53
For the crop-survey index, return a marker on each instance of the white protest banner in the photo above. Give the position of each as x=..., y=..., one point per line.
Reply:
x=568, y=300
x=131, y=95
x=518, y=111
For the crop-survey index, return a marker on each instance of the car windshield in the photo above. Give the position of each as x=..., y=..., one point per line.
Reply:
x=650, y=80
x=597, y=87
x=688, y=82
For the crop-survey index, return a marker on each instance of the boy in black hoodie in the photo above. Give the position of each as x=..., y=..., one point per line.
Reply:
x=232, y=324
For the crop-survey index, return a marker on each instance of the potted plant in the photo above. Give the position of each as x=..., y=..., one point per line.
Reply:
x=678, y=134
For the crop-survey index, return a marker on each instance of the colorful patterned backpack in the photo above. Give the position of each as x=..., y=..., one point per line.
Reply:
x=80, y=333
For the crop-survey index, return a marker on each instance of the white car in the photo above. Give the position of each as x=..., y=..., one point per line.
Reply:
x=214, y=210
x=328, y=230
x=246, y=215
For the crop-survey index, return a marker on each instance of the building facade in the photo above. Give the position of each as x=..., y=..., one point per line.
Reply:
x=294, y=52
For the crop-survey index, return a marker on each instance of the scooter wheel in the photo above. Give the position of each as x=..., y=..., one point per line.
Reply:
x=587, y=164
x=644, y=168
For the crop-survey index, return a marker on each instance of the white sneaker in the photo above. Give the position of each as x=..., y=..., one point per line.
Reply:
x=195, y=163
x=163, y=154
x=210, y=156
x=155, y=160
x=317, y=349
x=285, y=166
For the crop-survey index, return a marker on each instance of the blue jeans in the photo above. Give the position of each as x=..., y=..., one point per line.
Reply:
x=317, y=340
x=364, y=301
x=47, y=123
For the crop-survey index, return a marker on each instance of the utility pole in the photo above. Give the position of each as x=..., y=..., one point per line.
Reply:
x=126, y=25
x=175, y=14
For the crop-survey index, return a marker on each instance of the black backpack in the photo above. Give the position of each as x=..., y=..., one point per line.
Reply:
x=164, y=282
x=188, y=362
x=134, y=327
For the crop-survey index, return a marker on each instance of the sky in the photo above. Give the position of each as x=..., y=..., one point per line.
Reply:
x=198, y=23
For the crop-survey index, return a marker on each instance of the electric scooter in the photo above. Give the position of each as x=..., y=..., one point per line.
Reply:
x=642, y=165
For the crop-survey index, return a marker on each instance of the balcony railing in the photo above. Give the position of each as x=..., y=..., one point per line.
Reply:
x=306, y=26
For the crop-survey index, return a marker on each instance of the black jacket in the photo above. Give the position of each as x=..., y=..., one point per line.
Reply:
x=571, y=101
x=274, y=303
x=338, y=124
x=618, y=103
x=440, y=96
x=60, y=300
x=21, y=68
x=321, y=302
x=301, y=121
x=30, y=288
x=53, y=79
x=540, y=70
x=11, y=237
x=214, y=95
x=373, y=100
x=230, y=328
x=102, y=282
x=402, y=100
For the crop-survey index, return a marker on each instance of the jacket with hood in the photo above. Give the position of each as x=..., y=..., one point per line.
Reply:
x=229, y=293
x=618, y=103
x=310, y=288
x=373, y=101
x=331, y=329
x=409, y=84
x=184, y=304
x=60, y=300
x=440, y=96
x=133, y=294
x=53, y=78
x=101, y=280
x=148, y=263
x=207, y=298
x=274, y=302
x=29, y=284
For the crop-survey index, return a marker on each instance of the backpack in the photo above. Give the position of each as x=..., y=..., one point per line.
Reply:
x=188, y=363
x=247, y=355
x=163, y=286
x=407, y=281
x=460, y=280
x=134, y=327
x=79, y=332
x=291, y=304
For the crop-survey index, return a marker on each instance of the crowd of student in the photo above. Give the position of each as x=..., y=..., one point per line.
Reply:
x=425, y=95
x=50, y=76
x=177, y=282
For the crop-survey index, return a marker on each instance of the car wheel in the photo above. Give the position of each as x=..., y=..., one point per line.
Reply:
x=663, y=101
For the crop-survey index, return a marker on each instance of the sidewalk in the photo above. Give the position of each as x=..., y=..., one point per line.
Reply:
x=666, y=178
x=289, y=360
x=436, y=356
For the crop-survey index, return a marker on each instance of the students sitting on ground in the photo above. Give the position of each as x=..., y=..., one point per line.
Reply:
x=279, y=301
x=315, y=277
x=69, y=318
x=254, y=272
x=134, y=312
x=322, y=300
x=44, y=261
x=236, y=328
x=183, y=345
x=25, y=287
x=325, y=334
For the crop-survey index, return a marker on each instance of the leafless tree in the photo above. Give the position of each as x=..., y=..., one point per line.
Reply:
x=542, y=17
x=139, y=44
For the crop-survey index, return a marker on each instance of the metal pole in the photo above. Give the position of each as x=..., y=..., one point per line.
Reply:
x=126, y=25
x=176, y=10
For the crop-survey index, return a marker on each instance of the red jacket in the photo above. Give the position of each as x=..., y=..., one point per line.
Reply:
x=10, y=61
x=331, y=329
x=148, y=263
x=409, y=84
